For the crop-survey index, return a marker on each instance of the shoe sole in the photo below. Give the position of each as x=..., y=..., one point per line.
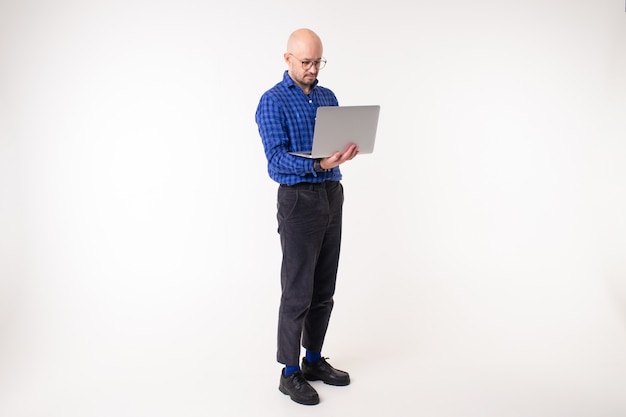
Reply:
x=314, y=401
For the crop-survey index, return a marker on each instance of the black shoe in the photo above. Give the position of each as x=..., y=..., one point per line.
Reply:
x=298, y=388
x=321, y=370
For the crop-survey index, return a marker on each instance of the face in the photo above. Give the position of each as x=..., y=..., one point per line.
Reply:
x=306, y=50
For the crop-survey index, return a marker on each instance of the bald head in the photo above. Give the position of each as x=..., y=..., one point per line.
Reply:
x=303, y=39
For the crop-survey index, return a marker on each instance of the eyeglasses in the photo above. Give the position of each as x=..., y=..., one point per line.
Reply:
x=307, y=64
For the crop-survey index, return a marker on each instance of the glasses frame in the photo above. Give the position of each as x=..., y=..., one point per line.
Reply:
x=308, y=64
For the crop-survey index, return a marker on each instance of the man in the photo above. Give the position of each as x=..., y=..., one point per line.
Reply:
x=310, y=199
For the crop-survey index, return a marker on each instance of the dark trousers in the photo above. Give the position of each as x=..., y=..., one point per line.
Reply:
x=309, y=224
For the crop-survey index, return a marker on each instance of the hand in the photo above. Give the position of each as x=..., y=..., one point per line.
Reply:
x=339, y=158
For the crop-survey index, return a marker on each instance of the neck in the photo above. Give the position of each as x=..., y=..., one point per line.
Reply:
x=305, y=87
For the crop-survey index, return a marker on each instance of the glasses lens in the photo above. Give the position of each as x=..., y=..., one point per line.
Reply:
x=308, y=64
x=318, y=64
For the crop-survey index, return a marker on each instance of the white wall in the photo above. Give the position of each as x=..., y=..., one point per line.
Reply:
x=485, y=236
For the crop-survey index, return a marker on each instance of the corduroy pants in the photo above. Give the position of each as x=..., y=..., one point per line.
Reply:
x=309, y=223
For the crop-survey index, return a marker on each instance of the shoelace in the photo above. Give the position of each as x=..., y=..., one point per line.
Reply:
x=298, y=380
x=323, y=365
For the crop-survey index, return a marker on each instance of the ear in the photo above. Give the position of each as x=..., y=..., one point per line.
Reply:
x=287, y=58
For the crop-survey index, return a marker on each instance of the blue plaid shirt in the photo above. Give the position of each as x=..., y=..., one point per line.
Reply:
x=286, y=120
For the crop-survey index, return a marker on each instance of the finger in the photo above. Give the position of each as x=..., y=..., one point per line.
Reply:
x=350, y=148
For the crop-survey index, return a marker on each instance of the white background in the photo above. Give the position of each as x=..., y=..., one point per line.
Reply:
x=483, y=269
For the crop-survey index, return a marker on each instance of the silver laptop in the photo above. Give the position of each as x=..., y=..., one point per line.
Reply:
x=338, y=126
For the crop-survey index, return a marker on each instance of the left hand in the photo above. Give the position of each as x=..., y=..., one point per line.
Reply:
x=339, y=158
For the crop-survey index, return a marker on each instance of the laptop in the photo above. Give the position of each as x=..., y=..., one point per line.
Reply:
x=338, y=126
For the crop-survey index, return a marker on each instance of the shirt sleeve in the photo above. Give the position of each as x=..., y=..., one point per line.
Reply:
x=272, y=122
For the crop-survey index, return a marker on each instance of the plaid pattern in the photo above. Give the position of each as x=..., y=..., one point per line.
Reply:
x=286, y=120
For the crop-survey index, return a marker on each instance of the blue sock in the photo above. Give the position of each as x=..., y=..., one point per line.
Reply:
x=290, y=370
x=312, y=356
